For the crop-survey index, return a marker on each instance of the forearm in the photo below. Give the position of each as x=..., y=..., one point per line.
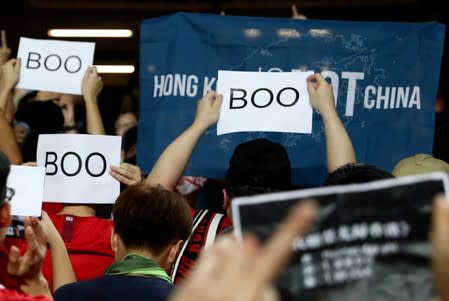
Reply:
x=61, y=265
x=8, y=143
x=10, y=109
x=171, y=164
x=339, y=149
x=4, y=96
x=93, y=117
x=37, y=287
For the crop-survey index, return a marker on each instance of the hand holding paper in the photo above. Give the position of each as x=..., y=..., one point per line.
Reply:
x=264, y=101
x=208, y=110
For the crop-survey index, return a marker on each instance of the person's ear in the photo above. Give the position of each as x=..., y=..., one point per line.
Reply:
x=226, y=200
x=174, y=252
x=5, y=215
x=114, y=241
x=227, y=203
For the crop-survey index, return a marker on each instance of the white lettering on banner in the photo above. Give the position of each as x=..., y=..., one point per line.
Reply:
x=176, y=85
x=342, y=264
x=392, y=97
x=356, y=232
x=374, y=97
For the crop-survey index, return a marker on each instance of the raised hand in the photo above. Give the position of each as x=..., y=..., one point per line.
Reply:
x=92, y=84
x=10, y=73
x=321, y=94
x=5, y=52
x=28, y=267
x=208, y=110
x=126, y=173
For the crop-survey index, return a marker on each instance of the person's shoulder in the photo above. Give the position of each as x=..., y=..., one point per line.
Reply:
x=78, y=290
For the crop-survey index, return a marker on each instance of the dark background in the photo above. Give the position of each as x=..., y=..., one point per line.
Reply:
x=33, y=18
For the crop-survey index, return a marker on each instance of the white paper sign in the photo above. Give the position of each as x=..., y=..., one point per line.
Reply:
x=52, y=65
x=28, y=183
x=77, y=167
x=264, y=101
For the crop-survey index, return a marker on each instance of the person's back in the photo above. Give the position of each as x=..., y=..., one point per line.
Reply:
x=116, y=288
x=88, y=242
x=150, y=225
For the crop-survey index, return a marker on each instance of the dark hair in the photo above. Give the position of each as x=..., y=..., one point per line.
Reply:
x=261, y=164
x=352, y=173
x=4, y=172
x=151, y=217
x=41, y=116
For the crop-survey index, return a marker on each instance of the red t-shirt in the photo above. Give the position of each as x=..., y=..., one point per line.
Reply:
x=206, y=227
x=12, y=292
x=13, y=295
x=6, y=279
x=88, y=242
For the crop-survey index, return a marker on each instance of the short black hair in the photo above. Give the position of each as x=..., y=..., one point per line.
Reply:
x=4, y=172
x=259, y=163
x=353, y=173
x=151, y=217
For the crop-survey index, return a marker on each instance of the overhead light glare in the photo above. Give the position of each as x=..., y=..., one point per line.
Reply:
x=90, y=33
x=115, y=68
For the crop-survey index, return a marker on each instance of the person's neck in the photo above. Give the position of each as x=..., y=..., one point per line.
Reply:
x=142, y=252
x=78, y=210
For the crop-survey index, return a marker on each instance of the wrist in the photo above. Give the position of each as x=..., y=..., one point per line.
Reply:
x=37, y=286
x=199, y=127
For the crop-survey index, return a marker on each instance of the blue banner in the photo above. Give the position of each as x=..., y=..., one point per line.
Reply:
x=385, y=77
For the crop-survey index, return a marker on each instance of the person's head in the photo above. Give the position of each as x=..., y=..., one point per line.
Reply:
x=129, y=145
x=419, y=164
x=257, y=166
x=21, y=130
x=150, y=220
x=5, y=207
x=353, y=173
x=124, y=122
x=40, y=115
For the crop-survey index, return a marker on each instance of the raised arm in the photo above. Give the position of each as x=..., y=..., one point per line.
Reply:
x=4, y=50
x=171, y=164
x=8, y=143
x=91, y=86
x=9, y=75
x=61, y=265
x=339, y=149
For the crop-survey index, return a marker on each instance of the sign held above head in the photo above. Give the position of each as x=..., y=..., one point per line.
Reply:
x=52, y=65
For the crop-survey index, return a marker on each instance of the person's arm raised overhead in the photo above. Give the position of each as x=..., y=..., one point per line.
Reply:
x=9, y=76
x=5, y=52
x=8, y=143
x=171, y=164
x=339, y=149
x=91, y=86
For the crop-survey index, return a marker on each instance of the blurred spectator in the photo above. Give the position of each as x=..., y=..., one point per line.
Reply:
x=124, y=122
